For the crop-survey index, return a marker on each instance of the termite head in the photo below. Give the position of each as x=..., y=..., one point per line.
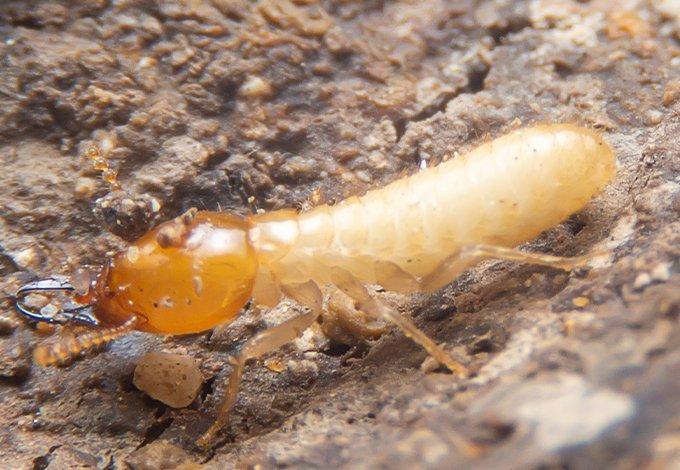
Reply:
x=186, y=276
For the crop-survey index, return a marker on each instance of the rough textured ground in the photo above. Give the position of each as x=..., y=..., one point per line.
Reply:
x=244, y=105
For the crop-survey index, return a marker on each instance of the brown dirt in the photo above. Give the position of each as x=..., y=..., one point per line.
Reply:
x=230, y=105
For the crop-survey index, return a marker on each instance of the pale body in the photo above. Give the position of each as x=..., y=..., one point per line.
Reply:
x=503, y=193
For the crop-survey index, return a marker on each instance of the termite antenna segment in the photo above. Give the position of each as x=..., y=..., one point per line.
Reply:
x=67, y=348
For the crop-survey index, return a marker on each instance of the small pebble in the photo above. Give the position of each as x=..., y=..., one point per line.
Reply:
x=654, y=117
x=173, y=379
x=26, y=258
x=671, y=93
x=255, y=87
x=642, y=280
x=85, y=187
x=661, y=272
x=274, y=365
x=162, y=454
x=580, y=301
x=303, y=370
x=363, y=176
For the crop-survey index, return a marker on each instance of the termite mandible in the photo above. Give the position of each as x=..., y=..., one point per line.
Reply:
x=416, y=234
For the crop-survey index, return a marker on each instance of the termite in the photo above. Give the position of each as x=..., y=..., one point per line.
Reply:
x=417, y=234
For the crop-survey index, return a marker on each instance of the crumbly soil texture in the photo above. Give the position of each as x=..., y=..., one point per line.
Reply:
x=257, y=105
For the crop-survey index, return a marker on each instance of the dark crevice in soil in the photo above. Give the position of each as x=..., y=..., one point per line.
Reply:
x=208, y=387
x=43, y=461
x=337, y=349
x=476, y=80
x=155, y=430
x=496, y=432
x=574, y=225
x=400, y=128
x=110, y=465
x=28, y=23
x=292, y=143
x=434, y=108
x=7, y=264
x=564, y=70
x=64, y=118
x=514, y=26
x=217, y=159
x=426, y=113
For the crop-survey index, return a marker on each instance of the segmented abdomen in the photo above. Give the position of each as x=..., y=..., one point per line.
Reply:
x=504, y=192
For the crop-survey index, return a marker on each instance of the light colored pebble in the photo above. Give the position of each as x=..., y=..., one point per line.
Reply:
x=85, y=187
x=304, y=368
x=661, y=272
x=26, y=258
x=255, y=87
x=654, y=117
x=173, y=379
x=642, y=280
x=580, y=301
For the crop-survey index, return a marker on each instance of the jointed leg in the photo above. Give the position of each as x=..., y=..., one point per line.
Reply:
x=455, y=264
x=392, y=277
x=307, y=294
x=346, y=282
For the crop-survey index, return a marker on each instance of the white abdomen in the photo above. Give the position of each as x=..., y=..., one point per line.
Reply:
x=504, y=192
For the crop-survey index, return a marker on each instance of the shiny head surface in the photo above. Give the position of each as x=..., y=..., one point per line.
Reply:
x=185, y=276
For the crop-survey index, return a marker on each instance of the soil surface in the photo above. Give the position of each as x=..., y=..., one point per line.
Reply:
x=255, y=105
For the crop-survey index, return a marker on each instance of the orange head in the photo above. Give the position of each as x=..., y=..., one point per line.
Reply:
x=185, y=276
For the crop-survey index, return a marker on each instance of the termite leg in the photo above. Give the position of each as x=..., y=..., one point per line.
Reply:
x=455, y=264
x=351, y=286
x=307, y=294
x=67, y=347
